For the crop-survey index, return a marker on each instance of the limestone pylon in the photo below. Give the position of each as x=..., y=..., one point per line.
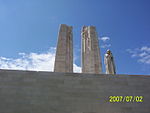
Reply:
x=64, y=51
x=91, y=59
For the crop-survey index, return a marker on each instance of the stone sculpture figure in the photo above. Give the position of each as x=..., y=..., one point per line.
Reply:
x=109, y=63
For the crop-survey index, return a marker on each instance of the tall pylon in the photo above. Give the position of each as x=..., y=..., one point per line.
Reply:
x=64, y=51
x=91, y=60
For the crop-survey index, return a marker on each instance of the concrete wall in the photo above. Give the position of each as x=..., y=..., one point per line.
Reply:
x=47, y=92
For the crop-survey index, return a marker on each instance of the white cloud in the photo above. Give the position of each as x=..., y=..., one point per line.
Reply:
x=33, y=61
x=145, y=48
x=76, y=68
x=105, y=45
x=142, y=54
x=104, y=39
x=105, y=42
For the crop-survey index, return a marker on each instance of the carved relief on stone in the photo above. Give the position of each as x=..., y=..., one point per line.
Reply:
x=91, y=61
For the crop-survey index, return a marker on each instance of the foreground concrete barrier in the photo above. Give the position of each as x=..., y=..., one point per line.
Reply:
x=48, y=92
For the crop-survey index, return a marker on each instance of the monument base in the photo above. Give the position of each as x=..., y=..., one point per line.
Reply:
x=49, y=92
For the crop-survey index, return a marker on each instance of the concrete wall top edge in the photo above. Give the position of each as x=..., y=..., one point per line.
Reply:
x=72, y=74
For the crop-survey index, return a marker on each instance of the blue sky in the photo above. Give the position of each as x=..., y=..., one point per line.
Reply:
x=29, y=29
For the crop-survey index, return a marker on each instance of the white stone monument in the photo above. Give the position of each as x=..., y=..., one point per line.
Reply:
x=109, y=63
x=91, y=60
x=64, y=51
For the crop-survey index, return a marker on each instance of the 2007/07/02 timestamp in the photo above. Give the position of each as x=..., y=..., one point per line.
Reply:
x=125, y=98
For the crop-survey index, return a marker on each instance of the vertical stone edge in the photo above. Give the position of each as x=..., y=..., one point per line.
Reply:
x=64, y=50
x=96, y=50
